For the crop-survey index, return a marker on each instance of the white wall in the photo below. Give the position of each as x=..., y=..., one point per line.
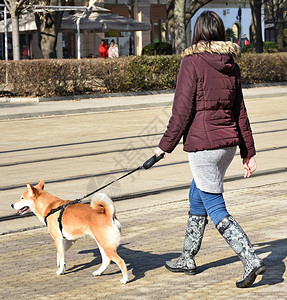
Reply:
x=229, y=19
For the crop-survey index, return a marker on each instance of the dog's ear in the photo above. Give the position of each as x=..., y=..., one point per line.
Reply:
x=31, y=190
x=40, y=185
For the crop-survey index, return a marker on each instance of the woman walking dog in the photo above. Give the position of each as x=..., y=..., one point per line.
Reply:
x=210, y=114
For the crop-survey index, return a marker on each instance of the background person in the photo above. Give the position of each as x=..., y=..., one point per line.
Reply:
x=243, y=41
x=209, y=112
x=113, y=50
x=103, y=48
x=106, y=45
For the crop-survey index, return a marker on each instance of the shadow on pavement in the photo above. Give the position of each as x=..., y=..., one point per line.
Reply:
x=138, y=261
x=274, y=262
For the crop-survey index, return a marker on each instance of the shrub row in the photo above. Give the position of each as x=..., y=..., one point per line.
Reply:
x=160, y=48
x=66, y=77
x=268, y=47
x=262, y=68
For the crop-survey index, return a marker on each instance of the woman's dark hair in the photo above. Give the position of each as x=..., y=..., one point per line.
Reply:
x=208, y=27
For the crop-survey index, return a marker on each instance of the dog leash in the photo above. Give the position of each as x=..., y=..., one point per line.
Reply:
x=148, y=164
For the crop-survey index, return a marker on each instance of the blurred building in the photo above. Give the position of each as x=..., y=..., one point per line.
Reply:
x=236, y=15
x=95, y=26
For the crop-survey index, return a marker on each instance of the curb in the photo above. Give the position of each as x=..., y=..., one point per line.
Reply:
x=83, y=110
x=80, y=97
x=72, y=108
x=125, y=94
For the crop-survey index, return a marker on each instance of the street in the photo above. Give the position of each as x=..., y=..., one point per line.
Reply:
x=77, y=153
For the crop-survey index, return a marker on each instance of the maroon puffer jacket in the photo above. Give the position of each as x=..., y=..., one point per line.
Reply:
x=208, y=109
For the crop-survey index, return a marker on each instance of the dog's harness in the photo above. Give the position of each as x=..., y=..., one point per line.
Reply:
x=62, y=208
x=149, y=163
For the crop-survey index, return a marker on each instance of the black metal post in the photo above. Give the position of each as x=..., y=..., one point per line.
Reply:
x=130, y=33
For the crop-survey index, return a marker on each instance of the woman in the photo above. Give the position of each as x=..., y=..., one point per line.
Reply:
x=209, y=112
x=103, y=49
x=113, y=50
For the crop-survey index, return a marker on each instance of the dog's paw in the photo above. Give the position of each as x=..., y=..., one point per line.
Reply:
x=97, y=273
x=60, y=272
x=124, y=280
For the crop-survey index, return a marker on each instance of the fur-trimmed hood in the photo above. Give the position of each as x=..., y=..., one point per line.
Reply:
x=217, y=47
x=219, y=55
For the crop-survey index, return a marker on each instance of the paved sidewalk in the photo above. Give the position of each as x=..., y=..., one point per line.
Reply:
x=153, y=233
x=154, y=226
x=29, y=107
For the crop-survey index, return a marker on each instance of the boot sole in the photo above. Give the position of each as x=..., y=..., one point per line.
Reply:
x=179, y=270
x=251, y=277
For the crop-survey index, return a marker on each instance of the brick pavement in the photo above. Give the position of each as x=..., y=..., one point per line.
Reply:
x=151, y=235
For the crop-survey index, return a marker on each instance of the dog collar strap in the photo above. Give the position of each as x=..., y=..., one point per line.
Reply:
x=51, y=212
x=62, y=208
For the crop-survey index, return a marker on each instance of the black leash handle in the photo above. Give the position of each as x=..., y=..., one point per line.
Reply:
x=151, y=161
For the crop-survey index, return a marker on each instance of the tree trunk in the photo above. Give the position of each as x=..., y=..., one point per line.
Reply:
x=170, y=20
x=173, y=26
x=179, y=28
x=48, y=36
x=256, y=28
x=279, y=27
x=15, y=35
x=48, y=26
x=14, y=11
x=15, y=8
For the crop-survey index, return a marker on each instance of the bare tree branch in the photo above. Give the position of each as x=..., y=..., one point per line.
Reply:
x=7, y=3
x=194, y=6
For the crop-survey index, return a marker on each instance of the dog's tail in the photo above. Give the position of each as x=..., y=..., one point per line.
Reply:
x=102, y=201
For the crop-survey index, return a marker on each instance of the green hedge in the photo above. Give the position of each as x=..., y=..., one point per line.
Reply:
x=161, y=48
x=141, y=73
x=262, y=68
x=268, y=47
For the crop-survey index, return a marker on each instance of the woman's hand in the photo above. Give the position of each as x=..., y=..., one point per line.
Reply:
x=249, y=166
x=158, y=152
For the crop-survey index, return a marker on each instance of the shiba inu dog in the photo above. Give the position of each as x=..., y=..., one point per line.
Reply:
x=97, y=219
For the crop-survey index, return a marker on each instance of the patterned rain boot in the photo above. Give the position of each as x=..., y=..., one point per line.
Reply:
x=193, y=237
x=240, y=244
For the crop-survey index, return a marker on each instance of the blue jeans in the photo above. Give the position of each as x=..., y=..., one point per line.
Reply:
x=202, y=203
